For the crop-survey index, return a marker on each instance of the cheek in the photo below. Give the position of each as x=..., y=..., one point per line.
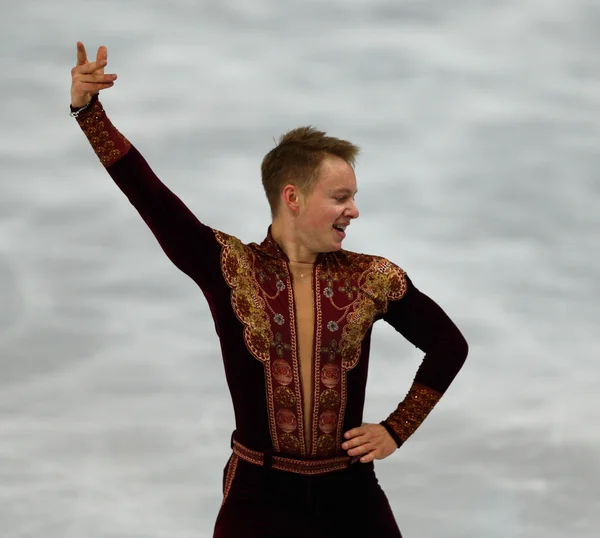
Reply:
x=329, y=214
x=322, y=216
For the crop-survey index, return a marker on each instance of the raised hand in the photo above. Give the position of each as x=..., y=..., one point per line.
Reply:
x=88, y=78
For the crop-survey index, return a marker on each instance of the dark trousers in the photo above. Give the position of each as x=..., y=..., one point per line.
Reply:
x=264, y=503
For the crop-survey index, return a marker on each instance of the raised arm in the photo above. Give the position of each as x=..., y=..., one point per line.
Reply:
x=190, y=245
x=423, y=323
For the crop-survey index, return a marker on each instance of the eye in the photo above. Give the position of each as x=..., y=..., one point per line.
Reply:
x=340, y=198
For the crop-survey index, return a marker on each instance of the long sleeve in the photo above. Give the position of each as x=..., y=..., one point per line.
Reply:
x=188, y=243
x=423, y=323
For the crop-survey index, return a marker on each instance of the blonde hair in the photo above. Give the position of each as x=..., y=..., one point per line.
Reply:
x=296, y=159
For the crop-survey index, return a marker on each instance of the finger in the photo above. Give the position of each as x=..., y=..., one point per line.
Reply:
x=81, y=54
x=360, y=450
x=369, y=457
x=354, y=432
x=102, y=55
x=95, y=78
x=95, y=86
x=88, y=68
x=356, y=441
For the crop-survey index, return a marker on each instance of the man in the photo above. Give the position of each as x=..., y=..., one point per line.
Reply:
x=294, y=316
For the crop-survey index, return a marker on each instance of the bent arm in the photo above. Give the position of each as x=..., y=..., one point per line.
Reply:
x=188, y=243
x=423, y=323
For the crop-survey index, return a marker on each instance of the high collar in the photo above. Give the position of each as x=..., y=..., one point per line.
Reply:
x=271, y=247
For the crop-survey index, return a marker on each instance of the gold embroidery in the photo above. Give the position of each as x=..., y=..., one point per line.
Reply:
x=301, y=447
x=249, y=307
x=230, y=475
x=305, y=467
x=247, y=303
x=413, y=410
x=330, y=398
x=289, y=442
x=316, y=373
x=279, y=345
x=107, y=142
x=383, y=282
x=350, y=291
x=285, y=397
x=326, y=444
x=364, y=286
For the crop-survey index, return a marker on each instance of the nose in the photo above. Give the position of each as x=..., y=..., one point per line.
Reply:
x=353, y=212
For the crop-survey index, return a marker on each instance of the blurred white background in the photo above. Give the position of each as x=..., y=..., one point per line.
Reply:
x=479, y=126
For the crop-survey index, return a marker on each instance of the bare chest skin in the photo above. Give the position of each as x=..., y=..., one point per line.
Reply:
x=302, y=277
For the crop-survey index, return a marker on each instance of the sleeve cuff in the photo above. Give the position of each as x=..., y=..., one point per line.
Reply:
x=392, y=433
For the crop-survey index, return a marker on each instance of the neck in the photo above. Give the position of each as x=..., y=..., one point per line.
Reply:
x=288, y=240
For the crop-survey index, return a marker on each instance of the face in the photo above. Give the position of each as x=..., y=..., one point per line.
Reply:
x=329, y=205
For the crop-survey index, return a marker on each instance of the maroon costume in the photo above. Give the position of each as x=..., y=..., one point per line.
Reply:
x=288, y=475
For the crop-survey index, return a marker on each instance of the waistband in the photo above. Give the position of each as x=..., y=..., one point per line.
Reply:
x=280, y=463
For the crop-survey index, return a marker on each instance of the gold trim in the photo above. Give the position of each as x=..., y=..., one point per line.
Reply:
x=231, y=469
x=413, y=410
x=297, y=466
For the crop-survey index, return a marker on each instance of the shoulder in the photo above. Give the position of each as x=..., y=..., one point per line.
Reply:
x=232, y=244
x=235, y=255
x=377, y=272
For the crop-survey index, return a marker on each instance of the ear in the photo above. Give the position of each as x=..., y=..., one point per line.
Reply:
x=291, y=197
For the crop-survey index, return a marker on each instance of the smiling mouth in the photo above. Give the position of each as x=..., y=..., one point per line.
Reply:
x=340, y=230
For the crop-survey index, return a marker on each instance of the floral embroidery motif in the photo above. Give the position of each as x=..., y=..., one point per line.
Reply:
x=348, y=289
x=249, y=306
x=333, y=326
x=330, y=398
x=280, y=285
x=328, y=292
x=279, y=319
x=325, y=445
x=289, y=443
x=332, y=350
x=383, y=282
x=279, y=345
x=285, y=397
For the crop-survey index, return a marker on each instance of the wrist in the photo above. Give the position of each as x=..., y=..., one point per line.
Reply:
x=392, y=433
x=76, y=108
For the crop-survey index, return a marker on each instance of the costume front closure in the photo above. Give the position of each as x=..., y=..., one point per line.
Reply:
x=308, y=331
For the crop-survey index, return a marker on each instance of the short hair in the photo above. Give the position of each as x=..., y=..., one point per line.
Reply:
x=296, y=160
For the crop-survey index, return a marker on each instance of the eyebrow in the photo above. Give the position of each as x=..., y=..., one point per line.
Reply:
x=344, y=190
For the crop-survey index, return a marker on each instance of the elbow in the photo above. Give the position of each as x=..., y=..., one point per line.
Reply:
x=458, y=347
x=462, y=347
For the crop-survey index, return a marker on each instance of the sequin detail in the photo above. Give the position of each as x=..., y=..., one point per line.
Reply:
x=107, y=142
x=413, y=410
